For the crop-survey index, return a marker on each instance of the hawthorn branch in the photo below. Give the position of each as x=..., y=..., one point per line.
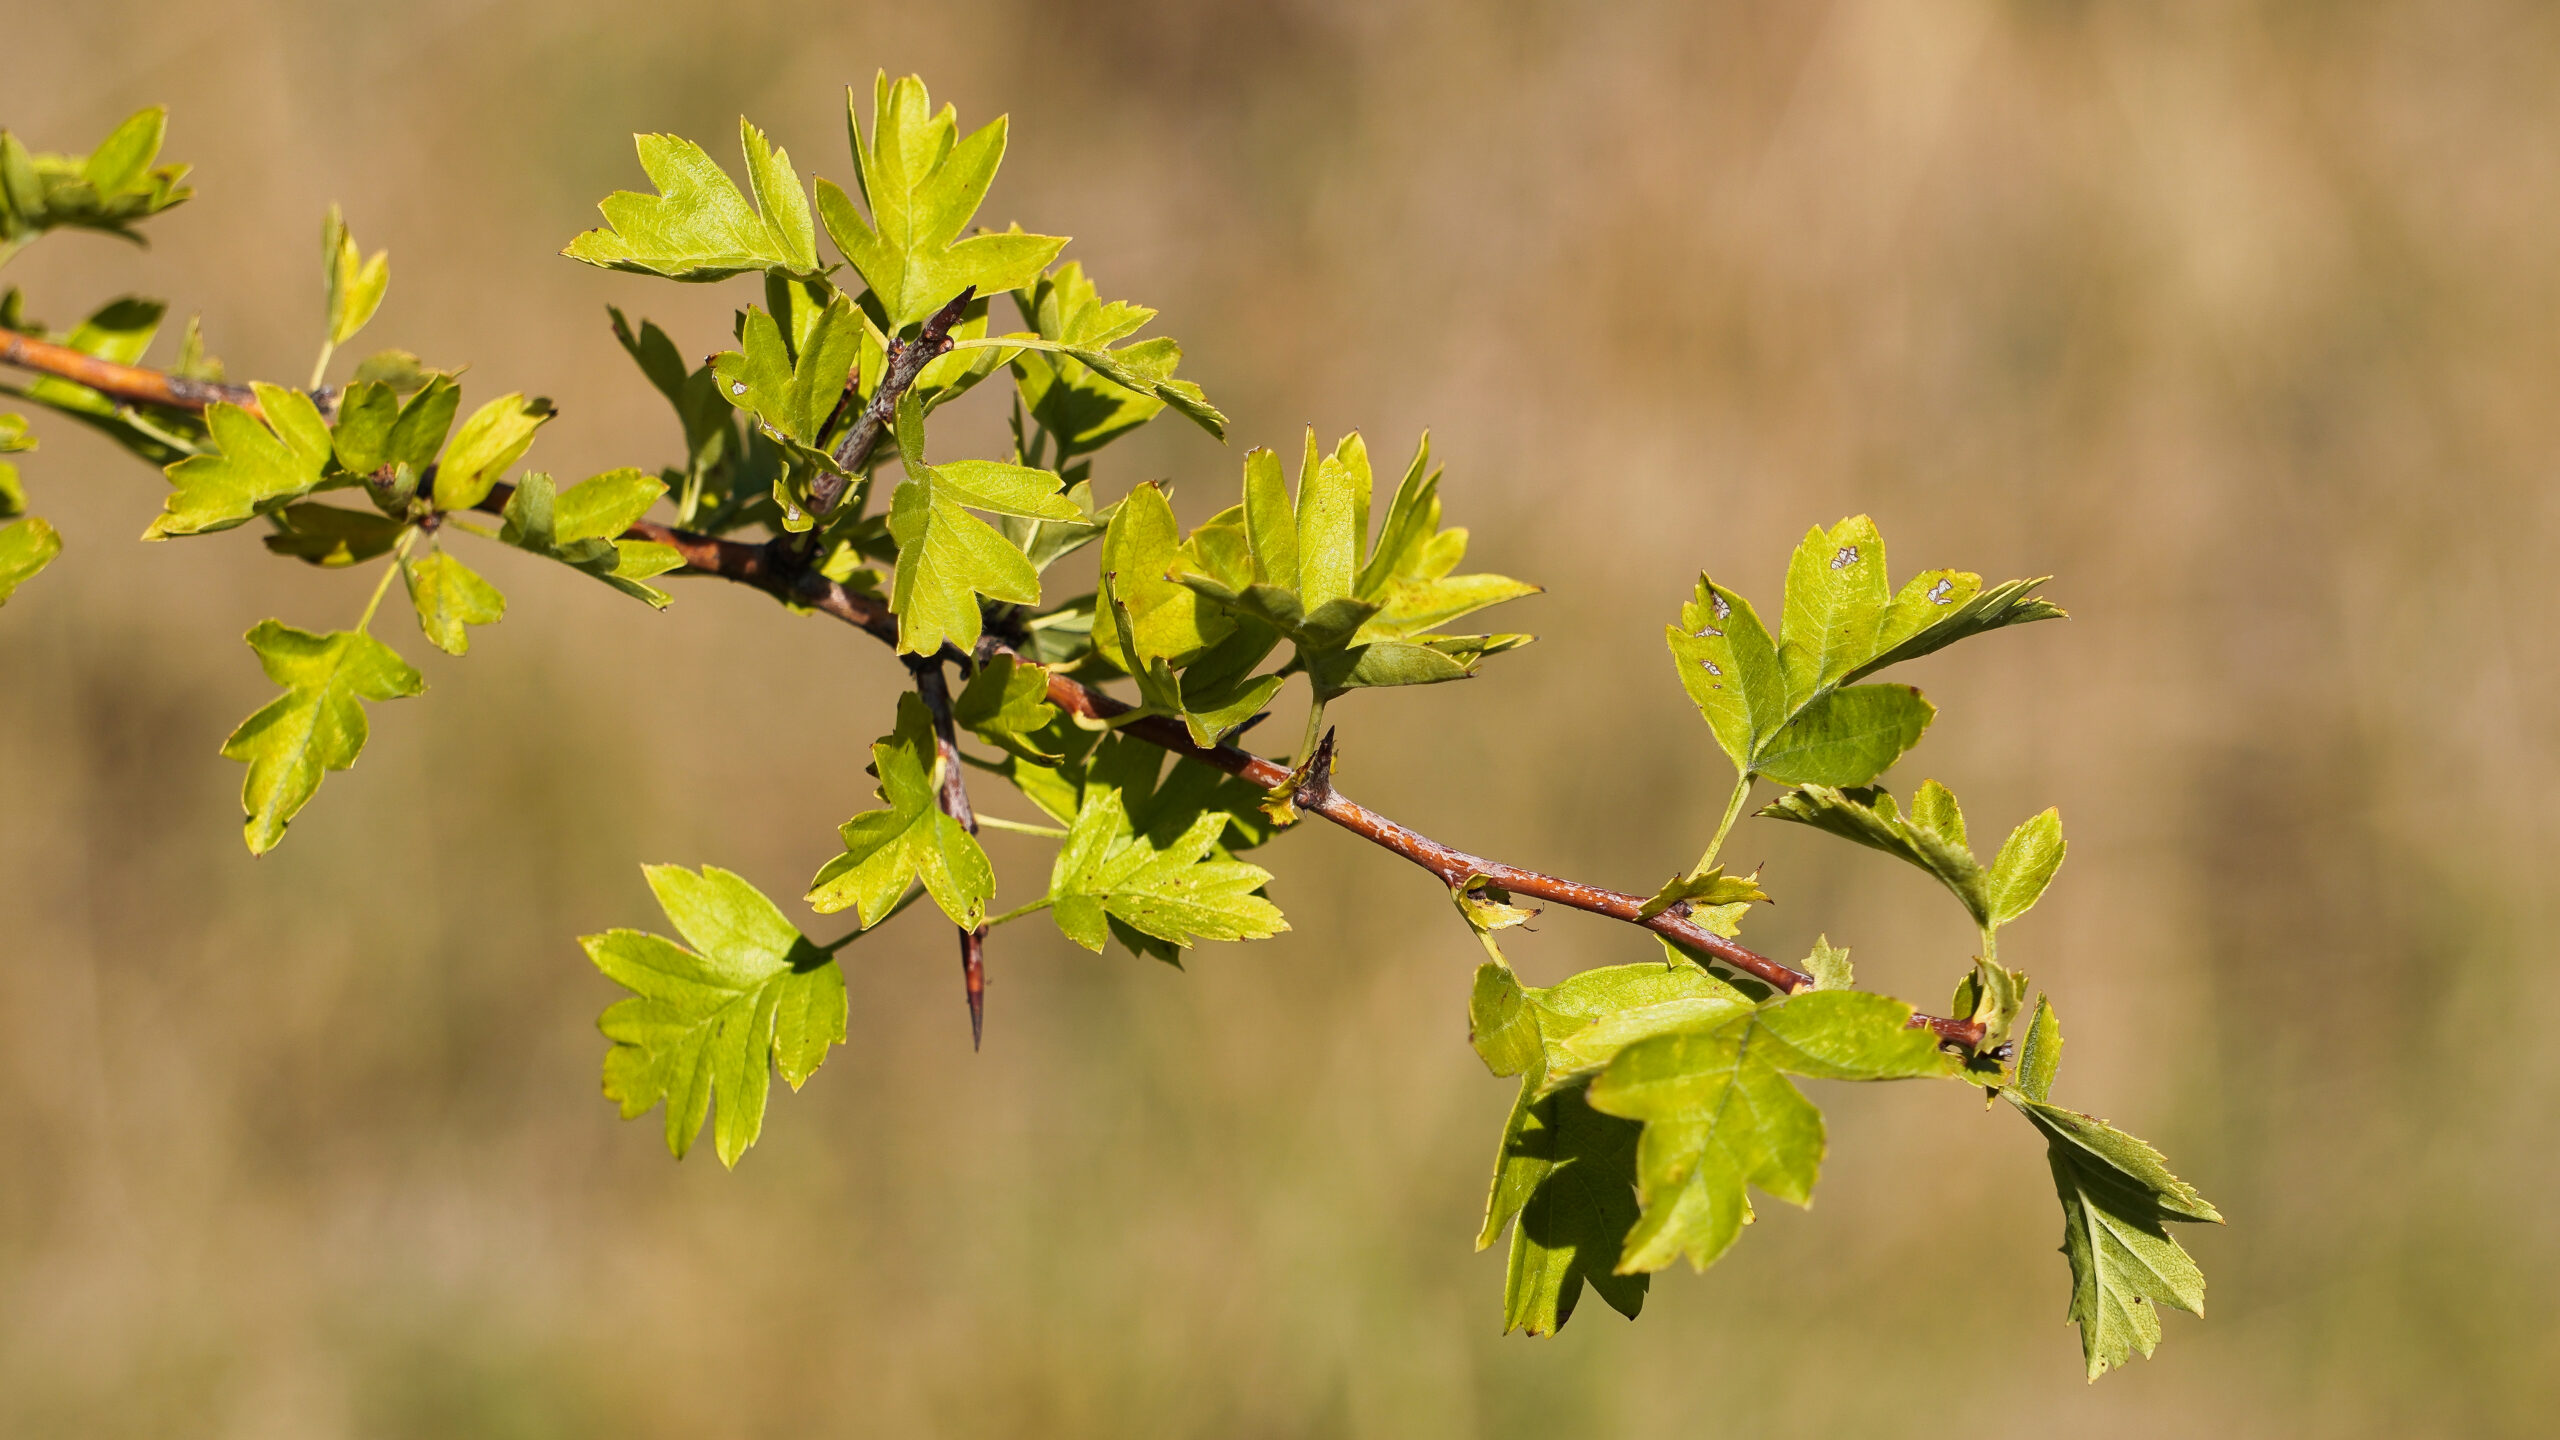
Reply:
x=761, y=567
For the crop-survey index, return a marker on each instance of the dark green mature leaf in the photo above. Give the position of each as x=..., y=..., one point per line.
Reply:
x=1177, y=890
x=1565, y=1171
x=330, y=537
x=252, y=467
x=923, y=183
x=911, y=840
x=317, y=725
x=450, y=596
x=948, y=557
x=698, y=226
x=751, y=996
x=1778, y=707
x=1720, y=1116
x=2118, y=1197
x=26, y=547
x=580, y=527
x=1575, y=1171
x=109, y=189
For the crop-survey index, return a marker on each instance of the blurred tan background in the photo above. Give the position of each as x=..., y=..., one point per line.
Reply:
x=2236, y=318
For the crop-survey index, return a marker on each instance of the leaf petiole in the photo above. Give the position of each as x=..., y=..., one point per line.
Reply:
x=841, y=941
x=1732, y=812
x=399, y=552
x=1018, y=911
x=1018, y=827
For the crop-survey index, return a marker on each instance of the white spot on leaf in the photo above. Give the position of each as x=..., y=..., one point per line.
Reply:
x=737, y=387
x=1942, y=592
x=1847, y=557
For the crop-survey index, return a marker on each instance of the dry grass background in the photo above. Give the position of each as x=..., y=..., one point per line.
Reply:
x=2238, y=318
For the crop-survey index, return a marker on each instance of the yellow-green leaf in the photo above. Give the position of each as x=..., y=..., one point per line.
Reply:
x=317, y=725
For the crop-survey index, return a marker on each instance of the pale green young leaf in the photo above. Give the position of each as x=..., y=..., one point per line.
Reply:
x=1778, y=708
x=378, y=431
x=109, y=189
x=1176, y=889
x=581, y=528
x=251, y=468
x=922, y=183
x=1333, y=521
x=752, y=996
x=2118, y=1199
x=910, y=841
x=450, y=596
x=1829, y=966
x=698, y=226
x=1937, y=608
x=26, y=547
x=1835, y=609
x=354, y=284
x=2024, y=866
x=779, y=196
x=1720, y=1115
x=495, y=437
x=2040, y=1054
x=317, y=725
x=361, y=438
x=794, y=390
x=1500, y=1021
x=2123, y=1264
x=1487, y=907
x=1991, y=995
x=1845, y=738
x=1729, y=666
x=1169, y=621
x=1080, y=409
x=1705, y=891
x=948, y=557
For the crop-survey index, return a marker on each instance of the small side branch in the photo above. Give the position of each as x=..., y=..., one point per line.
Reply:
x=907, y=359
x=934, y=687
x=128, y=383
